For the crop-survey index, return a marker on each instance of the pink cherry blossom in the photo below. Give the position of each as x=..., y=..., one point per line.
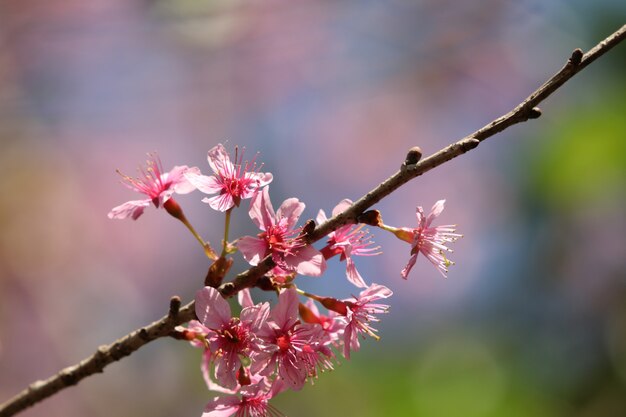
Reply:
x=232, y=182
x=230, y=337
x=279, y=238
x=361, y=312
x=251, y=401
x=347, y=241
x=156, y=184
x=430, y=241
x=295, y=350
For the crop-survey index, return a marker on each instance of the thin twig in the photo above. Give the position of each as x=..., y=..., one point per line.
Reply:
x=105, y=355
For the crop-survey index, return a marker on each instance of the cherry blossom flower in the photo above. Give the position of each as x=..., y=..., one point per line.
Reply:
x=361, y=312
x=156, y=184
x=251, y=401
x=230, y=337
x=232, y=182
x=294, y=349
x=279, y=238
x=430, y=241
x=347, y=241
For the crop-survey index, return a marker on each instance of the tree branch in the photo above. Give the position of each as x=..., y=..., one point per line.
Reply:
x=177, y=315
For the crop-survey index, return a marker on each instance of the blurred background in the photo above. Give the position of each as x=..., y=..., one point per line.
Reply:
x=530, y=322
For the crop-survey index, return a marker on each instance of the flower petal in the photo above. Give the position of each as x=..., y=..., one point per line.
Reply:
x=321, y=217
x=285, y=313
x=342, y=206
x=204, y=183
x=307, y=261
x=435, y=211
x=253, y=249
x=351, y=272
x=291, y=209
x=255, y=316
x=219, y=160
x=179, y=181
x=222, y=407
x=261, y=211
x=221, y=202
x=211, y=308
x=132, y=209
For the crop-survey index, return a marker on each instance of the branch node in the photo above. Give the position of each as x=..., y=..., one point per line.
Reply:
x=469, y=144
x=143, y=333
x=371, y=218
x=68, y=378
x=308, y=227
x=412, y=157
x=174, y=306
x=534, y=113
x=227, y=289
x=577, y=57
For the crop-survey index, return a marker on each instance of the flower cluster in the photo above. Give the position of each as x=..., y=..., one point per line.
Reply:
x=250, y=357
x=266, y=351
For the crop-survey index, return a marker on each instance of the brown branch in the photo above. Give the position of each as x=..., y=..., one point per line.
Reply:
x=105, y=355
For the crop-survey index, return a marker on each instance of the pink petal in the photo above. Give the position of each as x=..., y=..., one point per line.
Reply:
x=255, y=316
x=293, y=375
x=291, y=209
x=307, y=261
x=179, y=182
x=222, y=407
x=285, y=313
x=259, y=179
x=132, y=209
x=405, y=271
x=206, y=184
x=351, y=272
x=225, y=368
x=374, y=292
x=211, y=308
x=347, y=341
x=206, y=375
x=221, y=202
x=244, y=298
x=342, y=206
x=253, y=249
x=435, y=211
x=261, y=211
x=220, y=161
x=321, y=217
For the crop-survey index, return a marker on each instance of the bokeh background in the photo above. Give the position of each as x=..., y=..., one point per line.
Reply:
x=530, y=322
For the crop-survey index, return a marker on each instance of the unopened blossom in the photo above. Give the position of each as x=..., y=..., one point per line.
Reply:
x=251, y=401
x=361, y=311
x=293, y=349
x=347, y=241
x=230, y=337
x=157, y=185
x=279, y=237
x=231, y=181
x=430, y=241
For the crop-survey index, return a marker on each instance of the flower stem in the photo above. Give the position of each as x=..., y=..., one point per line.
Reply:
x=226, y=230
x=208, y=250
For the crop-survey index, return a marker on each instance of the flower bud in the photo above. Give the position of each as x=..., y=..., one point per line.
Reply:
x=334, y=305
x=307, y=315
x=174, y=209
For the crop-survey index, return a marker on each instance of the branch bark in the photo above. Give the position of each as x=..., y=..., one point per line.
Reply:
x=177, y=315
